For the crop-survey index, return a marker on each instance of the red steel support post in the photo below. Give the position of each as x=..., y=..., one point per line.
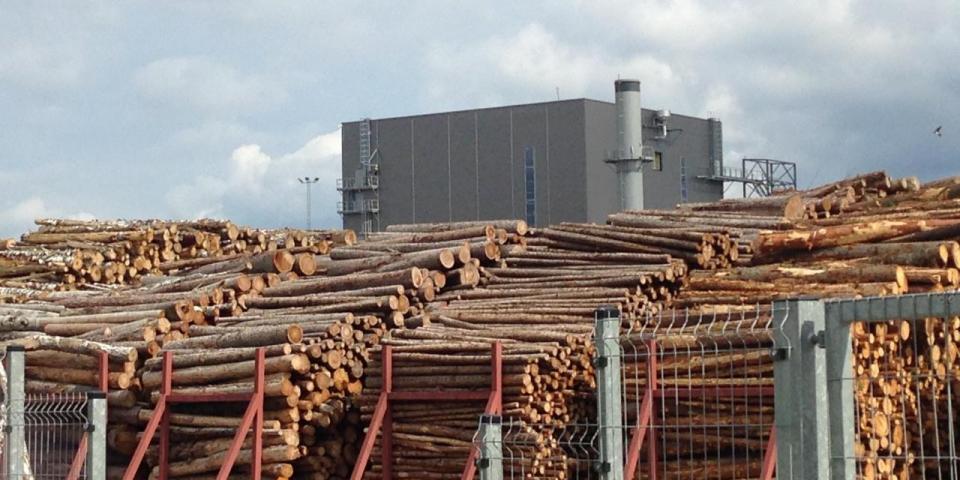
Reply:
x=379, y=419
x=258, y=394
x=645, y=431
x=386, y=431
x=249, y=420
x=131, y=472
x=651, y=390
x=165, y=390
x=159, y=412
x=382, y=419
x=252, y=419
x=104, y=364
x=639, y=433
x=770, y=456
x=494, y=404
x=496, y=380
x=368, y=441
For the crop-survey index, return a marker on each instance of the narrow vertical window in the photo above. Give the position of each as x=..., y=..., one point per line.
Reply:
x=529, y=174
x=683, y=180
x=658, y=161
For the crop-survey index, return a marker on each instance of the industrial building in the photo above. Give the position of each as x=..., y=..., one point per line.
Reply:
x=567, y=160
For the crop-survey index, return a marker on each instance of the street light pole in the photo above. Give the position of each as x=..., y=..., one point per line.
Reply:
x=308, y=181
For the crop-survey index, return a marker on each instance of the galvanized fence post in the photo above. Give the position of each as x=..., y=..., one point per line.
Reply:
x=490, y=462
x=16, y=454
x=96, y=436
x=609, y=392
x=843, y=465
x=801, y=403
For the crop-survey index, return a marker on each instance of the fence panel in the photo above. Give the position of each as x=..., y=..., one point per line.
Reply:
x=698, y=394
x=47, y=428
x=695, y=400
x=545, y=451
x=905, y=376
x=54, y=425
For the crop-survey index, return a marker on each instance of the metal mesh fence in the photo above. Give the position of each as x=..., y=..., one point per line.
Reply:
x=547, y=451
x=44, y=431
x=697, y=402
x=906, y=375
x=53, y=427
x=698, y=393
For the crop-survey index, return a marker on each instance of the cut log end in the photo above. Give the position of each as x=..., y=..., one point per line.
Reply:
x=283, y=261
x=447, y=258
x=294, y=334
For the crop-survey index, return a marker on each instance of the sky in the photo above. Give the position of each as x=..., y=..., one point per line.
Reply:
x=188, y=109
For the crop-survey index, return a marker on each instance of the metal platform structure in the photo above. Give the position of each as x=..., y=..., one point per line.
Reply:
x=251, y=424
x=361, y=192
x=760, y=177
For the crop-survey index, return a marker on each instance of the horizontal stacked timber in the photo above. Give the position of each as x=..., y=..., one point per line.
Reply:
x=715, y=382
x=868, y=235
x=720, y=238
x=553, y=278
x=539, y=369
x=191, y=306
x=66, y=254
x=323, y=305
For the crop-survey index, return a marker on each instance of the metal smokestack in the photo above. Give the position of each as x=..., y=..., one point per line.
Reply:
x=629, y=144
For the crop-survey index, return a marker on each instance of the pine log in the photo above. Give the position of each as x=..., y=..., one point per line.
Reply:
x=207, y=374
x=246, y=337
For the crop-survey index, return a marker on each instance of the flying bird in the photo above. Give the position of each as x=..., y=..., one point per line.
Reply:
x=938, y=131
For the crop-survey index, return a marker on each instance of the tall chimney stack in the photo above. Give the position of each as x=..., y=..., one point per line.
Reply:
x=629, y=144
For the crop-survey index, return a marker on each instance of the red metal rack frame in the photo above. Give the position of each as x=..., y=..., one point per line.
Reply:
x=252, y=418
x=644, y=429
x=382, y=420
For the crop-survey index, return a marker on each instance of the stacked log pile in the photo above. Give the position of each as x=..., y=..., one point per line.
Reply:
x=711, y=433
x=539, y=368
x=70, y=331
x=73, y=253
x=705, y=240
x=855, y=193
x=313, y=368
x=870, y=235
x=743, y=219
x=553, y=279
x=873, y=257
x=317, y=362
x=439, y=294
x=317, y=329
x=312, y=372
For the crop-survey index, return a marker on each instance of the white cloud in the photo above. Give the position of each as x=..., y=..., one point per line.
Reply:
x=533, y=59
x=19, y=217
x=838, y=86
x=212, y=134
x=263, y=188
x=24, y=211
x=208, y=86
x=832, y=85
x=249, y=166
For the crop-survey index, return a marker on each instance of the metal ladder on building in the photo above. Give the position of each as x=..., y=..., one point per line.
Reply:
x=369, y=206
x=365, y=142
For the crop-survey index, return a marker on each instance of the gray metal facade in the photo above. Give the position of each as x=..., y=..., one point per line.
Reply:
x=542, y=161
